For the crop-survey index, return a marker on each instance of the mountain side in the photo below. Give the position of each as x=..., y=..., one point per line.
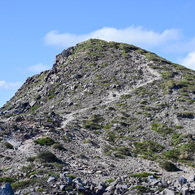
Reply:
x=105, y=110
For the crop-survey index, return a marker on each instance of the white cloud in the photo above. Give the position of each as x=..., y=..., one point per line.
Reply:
x=189, y=61
x=9, y=85
x=38, y=67
x=132, y=35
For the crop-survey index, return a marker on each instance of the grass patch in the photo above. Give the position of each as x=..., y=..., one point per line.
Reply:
x=7, y=180
x=161, y=128
x=141, y=189
x=148, y=149
x=8, y=145
x=141, y=175
x=93, y=123
x=45, y=141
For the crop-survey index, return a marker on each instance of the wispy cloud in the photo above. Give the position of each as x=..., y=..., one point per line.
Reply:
x=38, y=68
x=169, y=42
x=9, y=85
x=133, y=35
x=189, y=61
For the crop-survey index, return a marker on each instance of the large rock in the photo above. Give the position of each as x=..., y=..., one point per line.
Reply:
x=6, y=190
x=168, y=192
x=51, y=179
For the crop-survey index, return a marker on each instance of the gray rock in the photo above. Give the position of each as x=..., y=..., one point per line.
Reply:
x=80, y=188
x=6, y=190
x=191, y=178
x=185, y=191
x=151, y=178
x=62, y=187
x=164, y=182
x=182, y=180
x=62, y=175
x=168, y=192
x=68, y=180
x=51, y=179
x=33, y=176
x=77, y=180
x=154, y=183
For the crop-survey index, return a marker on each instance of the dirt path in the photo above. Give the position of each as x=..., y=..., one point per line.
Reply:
x=113, y=96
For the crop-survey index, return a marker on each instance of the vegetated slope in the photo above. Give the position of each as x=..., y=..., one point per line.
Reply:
x=105, y=102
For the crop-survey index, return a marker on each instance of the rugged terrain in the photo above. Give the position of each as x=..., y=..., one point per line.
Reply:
x=109, y=118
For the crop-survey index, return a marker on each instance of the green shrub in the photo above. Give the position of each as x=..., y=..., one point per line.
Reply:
x=177, y=137
x=110, y=180
x=141, y=175
x=148, y=147
x=185, y=115
x=123, y=150
x=7, y=180
x=168, y=166
x=172, y=154
x=144, y=102
x=141, y=189
x=26, y=183
x=161, y=128
x=58, y=146
x=179, y=127
x=47, y=157
x=45, y=141
x=93, y=123
x=8, y=145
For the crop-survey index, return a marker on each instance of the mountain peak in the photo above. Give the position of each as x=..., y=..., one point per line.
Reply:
x=103, y=104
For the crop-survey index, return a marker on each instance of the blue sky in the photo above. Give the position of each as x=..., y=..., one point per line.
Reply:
x=33, y=32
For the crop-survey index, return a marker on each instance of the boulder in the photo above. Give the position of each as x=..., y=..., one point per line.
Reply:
x=51, y=179
x=6, y=190
x=168, y=192
x=191, y=178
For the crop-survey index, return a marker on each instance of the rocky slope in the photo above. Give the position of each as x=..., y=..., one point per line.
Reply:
x=109, y=118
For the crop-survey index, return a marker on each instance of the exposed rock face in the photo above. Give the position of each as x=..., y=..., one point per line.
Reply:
x=6, y=190
x=104, y=111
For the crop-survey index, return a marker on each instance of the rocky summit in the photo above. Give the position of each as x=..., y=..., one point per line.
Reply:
x=108, y=118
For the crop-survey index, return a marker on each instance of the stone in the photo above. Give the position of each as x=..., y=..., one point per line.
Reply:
x=51, y=179
x=6, y=189
x=154, y=183
x=185, y=191
x=168, y=192
x=62, y=187
x=191, y=178
x=68, y=180
x=62, y=175
x=33, y=176
x=182, y=180
x=77, y=180
x=151, y=178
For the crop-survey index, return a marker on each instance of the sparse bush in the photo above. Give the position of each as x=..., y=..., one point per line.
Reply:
x=123, y=150
x=8, y=145
x=161, y=128
x=93, y=123
x=141, y=189
x=47, y=157
x=110, y=180
x=148, y=147
x=45, y=141
x=141, y=175
x=144, y=102
x=7, y=180
x=172, y=154
x=58, y=146
x=168, y=166
x=185, y=115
